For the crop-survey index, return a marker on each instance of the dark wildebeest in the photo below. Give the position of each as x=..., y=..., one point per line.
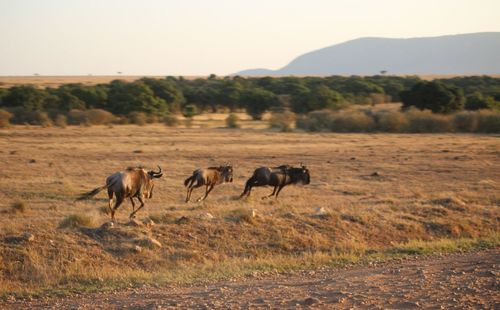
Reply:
x=278, y=177
x=209, y=177
x=134, y=182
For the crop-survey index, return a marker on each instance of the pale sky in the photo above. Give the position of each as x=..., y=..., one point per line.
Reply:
x=200, y=37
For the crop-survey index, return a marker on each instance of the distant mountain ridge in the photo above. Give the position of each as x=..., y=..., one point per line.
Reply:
x=474, y=53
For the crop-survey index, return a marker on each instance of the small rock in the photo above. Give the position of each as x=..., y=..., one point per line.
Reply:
x=137, y=249
x=375, y=174
x=321, y=211
x=137, y=151
x=207, y=216
x=107, y=225
x=182, y=220
x=28, y=237
x=32, y=161
x=310, y=301
x=353, y=158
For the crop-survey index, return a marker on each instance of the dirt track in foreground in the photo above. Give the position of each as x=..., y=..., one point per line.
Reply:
x=468, y=280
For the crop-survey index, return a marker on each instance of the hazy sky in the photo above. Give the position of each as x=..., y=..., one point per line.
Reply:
x=198, y=37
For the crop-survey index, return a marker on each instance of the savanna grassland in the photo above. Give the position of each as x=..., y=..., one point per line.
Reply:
x=371, y=196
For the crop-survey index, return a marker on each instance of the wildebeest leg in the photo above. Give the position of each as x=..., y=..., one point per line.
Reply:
x=248, y=187
x=274, y=191
x=132, y=215
x=110, y=195
x=133, y=203
x=119, y=201
x=279, y=190
x=188, y=194
x=208, y=189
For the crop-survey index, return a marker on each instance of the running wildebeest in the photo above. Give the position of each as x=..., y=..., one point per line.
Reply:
x=209, y=177
x=134, y=182
x=278, y=177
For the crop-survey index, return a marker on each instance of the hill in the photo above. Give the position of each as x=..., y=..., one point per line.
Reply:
x=475, y=53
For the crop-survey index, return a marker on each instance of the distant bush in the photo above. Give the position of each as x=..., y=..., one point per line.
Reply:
x=76, y=221
x=282, y=120
x=138, y=118
x=351, y=121
x=488, y=121
x=99, y=117
x=5, y=118
x=152, y=119
x=171, y=120
x=77, y=117
x=316, y=121
x=465, y=121
x=392, y=121
x=61, y=121
x=232, y=121
x=426, y=121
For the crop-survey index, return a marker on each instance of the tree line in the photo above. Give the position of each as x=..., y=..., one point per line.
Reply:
x=255, y=95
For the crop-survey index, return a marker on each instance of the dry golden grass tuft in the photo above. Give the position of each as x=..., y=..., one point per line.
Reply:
x=370, y=194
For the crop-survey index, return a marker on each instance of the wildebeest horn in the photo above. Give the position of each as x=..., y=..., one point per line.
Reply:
x=159, y=170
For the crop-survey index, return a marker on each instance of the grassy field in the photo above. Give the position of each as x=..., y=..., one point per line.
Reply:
x=371, y=195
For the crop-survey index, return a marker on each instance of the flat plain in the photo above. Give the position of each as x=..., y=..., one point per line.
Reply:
x=371, y=197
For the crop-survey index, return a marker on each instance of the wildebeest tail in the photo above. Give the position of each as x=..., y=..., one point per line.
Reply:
x=91, y=194
x=190, y=179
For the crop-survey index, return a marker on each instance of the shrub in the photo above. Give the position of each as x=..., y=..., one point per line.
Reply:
x=434, y=96
x=426, y=121
x=232, y=121
x=282, y=120
x=392, y=122
x=77, y=220
x=41, y=118
x=316, y=121
x=465, y=121
x=138, y=118
x=5, y=118
x=488, y=121
x=352, y=121
x=77, y=117
x=61, y=121
x=152, y=118
x=171, y=120
x=99, y=117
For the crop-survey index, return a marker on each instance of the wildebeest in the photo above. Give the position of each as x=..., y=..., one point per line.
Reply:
x=134, y=182
x=209, y=177
x=278, y=177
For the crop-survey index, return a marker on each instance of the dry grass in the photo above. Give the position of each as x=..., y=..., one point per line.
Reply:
x=427, y=187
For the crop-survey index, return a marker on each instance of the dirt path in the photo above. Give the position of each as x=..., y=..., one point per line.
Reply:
x=468, y=280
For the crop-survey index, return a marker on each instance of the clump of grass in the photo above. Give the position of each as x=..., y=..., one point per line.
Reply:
x=18, y=207
x=232, y=121
x=241, y=215
x=77, y=220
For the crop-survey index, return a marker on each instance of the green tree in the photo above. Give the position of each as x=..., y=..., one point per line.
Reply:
x=137, y=96
x=257, y=101
x=477, y=101
x=26, y=97
x=434, y=96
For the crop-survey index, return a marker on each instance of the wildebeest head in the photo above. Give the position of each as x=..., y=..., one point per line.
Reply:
x=226, y=173
x=153, y=175
x=300, y=175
